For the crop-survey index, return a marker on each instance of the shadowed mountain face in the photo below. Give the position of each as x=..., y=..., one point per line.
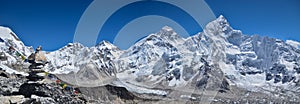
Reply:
x=219, y=59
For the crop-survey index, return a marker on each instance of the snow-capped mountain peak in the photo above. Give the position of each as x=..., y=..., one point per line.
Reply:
x=6, y=33
x=293, y=43
x=170, y=36
x=12, y=49
x=220, y=26
x=73, y=45
x=167, y=28
x=106, y=44
x=10, y=39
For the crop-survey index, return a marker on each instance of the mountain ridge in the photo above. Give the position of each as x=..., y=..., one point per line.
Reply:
x=217, y=59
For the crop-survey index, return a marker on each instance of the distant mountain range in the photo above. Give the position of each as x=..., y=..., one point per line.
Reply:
x=219, y=59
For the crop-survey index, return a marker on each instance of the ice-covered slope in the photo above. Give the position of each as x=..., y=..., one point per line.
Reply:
x=255, y=61
x=75, y=56
x=86, y=66
x=9, y=38
x=12, y=49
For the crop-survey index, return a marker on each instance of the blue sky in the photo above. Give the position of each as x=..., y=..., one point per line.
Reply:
x=52, y=23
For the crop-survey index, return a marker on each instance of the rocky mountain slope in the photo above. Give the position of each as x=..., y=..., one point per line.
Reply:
x=217, y=65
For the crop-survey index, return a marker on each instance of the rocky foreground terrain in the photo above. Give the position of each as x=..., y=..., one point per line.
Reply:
x=39, y=89
x=33, y=89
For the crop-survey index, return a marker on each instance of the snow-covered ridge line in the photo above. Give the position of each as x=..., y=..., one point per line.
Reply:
x=166, y=59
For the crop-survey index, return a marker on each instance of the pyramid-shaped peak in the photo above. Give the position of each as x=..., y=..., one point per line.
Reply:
x=220, y=25
x=167, y=28
x=222, y=19
x=106, y=44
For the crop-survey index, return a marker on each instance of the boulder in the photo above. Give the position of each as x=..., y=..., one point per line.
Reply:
x=17, y=99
